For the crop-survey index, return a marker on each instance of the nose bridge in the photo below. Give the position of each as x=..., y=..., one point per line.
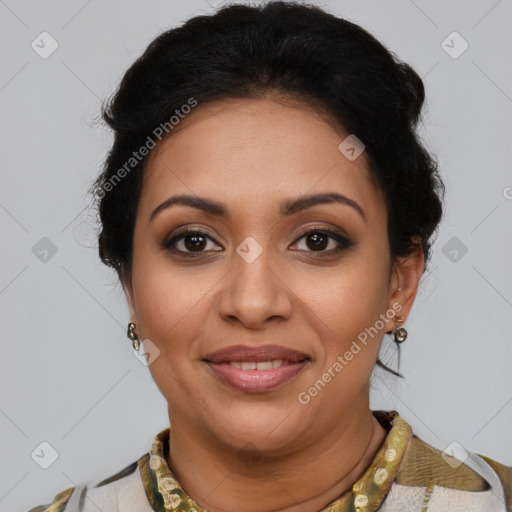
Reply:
x=251, y=262
x=253, y=290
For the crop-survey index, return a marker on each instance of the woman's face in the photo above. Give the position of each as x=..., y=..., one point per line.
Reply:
x=254, y=277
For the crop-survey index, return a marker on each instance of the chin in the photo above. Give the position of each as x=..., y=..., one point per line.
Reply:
x=261, y=428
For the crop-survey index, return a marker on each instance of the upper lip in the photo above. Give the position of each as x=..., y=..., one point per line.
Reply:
x=259, y=353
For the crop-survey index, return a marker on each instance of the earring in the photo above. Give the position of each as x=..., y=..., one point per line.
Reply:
x=133, y=336
x=399, y=332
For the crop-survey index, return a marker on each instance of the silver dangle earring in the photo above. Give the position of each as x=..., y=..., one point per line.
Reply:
x=399, y=333
x=133, y=336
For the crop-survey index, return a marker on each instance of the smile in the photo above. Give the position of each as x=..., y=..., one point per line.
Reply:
x=257, y=376
x=256, y=369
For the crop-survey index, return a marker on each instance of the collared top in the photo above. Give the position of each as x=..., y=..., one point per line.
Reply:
x=406, y=474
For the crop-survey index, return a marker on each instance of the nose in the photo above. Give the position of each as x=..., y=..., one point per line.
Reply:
x=254, y=290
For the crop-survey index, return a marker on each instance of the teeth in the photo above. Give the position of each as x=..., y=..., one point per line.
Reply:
x=258, y=365
x=263, y=365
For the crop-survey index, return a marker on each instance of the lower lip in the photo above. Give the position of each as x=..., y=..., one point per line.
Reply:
x=255, y=381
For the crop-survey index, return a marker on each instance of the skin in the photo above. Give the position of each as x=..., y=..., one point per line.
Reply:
x=232, y=450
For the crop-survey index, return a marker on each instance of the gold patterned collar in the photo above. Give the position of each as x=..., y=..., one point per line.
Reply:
x=367, y=494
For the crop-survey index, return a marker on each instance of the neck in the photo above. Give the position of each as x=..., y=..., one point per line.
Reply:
x=219, y=479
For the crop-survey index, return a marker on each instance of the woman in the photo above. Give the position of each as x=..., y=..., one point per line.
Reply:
x=269, y=208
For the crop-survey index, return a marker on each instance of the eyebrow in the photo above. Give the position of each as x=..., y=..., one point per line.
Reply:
x=288, y=207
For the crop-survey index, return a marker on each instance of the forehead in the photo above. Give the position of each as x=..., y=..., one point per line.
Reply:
x=247, y=148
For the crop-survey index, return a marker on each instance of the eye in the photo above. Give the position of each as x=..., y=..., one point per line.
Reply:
x=188, y=241
x=195, y=242
x=318, y=239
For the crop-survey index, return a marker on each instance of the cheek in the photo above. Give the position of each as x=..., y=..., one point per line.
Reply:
x=167, y=299
x=347, y=296
x=169, y=303
x=345, y=308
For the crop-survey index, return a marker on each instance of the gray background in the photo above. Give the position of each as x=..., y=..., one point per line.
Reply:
x=68, y=375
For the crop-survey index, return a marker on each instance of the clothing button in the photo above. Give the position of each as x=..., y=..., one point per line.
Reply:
x=390, y=454
x=174, y=500
x=380, y=476
x=361, y=500
x=155, y=462
x=168, y=484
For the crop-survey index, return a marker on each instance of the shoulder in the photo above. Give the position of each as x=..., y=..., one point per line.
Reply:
x=58, y=504
x=121, y=491
x=504, y=474
x=454, y=475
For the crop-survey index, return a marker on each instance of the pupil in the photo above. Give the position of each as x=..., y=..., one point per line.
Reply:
x=319, y=241
x=197, y=242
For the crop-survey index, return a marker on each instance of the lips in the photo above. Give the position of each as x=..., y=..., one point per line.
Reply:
x=244, y=353
x=256, y=369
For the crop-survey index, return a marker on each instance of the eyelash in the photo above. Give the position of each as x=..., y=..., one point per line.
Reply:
x=343, y=242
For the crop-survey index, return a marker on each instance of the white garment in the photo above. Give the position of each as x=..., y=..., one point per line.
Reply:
x=128, y=495
x=404, y=498
x=124, y=495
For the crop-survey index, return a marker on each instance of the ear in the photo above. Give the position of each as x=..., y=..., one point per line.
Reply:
x=131, y=302
x=406, y=275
